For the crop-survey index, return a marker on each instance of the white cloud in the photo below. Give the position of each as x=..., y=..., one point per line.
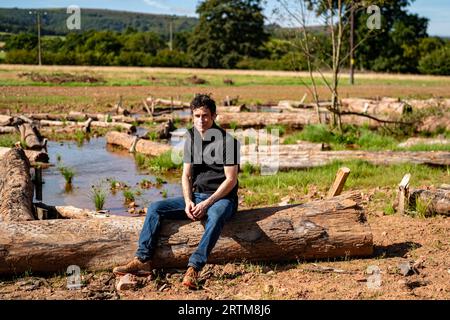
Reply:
x=157, y=4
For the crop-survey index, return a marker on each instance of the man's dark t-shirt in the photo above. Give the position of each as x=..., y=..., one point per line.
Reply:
x=209, y=156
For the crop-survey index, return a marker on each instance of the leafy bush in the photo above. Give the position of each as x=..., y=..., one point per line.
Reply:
x=436, y=62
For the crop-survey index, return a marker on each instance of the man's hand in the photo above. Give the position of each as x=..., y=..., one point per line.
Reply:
x=189, y=209
x=201, y=209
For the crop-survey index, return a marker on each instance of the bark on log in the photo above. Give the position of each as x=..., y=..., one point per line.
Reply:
x=5, y=120
x=387, y=106
x=142, y=146
x=291, y=119
x=8, y=130
x=81, y=125
x=309, y=159
x=436, y=201
x=32, y=155
x=16, y=188
x=321, y=229
x=31, y=136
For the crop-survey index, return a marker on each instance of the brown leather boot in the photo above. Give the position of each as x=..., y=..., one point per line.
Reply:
x=135, y=267
x=190, y=279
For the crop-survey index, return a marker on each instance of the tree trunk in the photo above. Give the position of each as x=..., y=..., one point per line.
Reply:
x=32, y=155
x=143, y=146
x=16, y=188
x=307, y=159
x=321, y=229
x=8, y=130
x=5, y=120
x=31, y=136
x=436, y=201
x=99, y=124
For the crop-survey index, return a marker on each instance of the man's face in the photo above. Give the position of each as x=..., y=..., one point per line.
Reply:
x=203, y=119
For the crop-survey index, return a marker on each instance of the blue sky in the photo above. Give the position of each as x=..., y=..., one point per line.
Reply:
x=435, y=10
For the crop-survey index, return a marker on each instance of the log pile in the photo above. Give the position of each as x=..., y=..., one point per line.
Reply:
x=330, y=228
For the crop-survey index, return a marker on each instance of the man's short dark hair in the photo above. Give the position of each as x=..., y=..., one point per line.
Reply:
x=203, y=100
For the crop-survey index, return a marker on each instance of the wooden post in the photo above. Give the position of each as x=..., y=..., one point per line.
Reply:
x=133, y=145
x=38, y=182
x=339, y=181
x=403, y=194
x=87, y=125
x=146, y=107
x=41, y=213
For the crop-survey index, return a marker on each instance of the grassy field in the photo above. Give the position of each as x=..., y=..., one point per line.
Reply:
x=20, y=94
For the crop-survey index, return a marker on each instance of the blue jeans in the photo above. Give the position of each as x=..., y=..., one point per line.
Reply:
x=173, y=208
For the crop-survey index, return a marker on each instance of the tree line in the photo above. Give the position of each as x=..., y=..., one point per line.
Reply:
x=233, y=34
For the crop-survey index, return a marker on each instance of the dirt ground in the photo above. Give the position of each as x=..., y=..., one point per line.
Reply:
x=99, y=99
x=397, y=239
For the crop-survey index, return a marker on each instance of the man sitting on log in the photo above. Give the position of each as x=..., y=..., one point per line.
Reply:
x=210, y=169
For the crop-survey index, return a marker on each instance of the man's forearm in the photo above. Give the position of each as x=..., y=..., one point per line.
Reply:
x=225, y=187
x=187, y=188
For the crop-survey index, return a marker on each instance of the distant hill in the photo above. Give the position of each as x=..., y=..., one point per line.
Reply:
x=14, y=20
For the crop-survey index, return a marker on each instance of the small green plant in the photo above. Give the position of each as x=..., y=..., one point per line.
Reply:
x=8, y=140
x=79, y=137
x=98, y=196
x=160, y=181
x=280, y=127
x=140, y=159
x=153, y=135
x=163, y=162
x=423, y=208
x=67, y=173
x=249, y=169
x=164, y=193
x=128, y=195
x=233, y=125
x=389, y=209
x=58, y=158
x=108, y=118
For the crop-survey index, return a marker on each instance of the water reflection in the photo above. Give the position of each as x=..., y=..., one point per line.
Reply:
x=93, y=163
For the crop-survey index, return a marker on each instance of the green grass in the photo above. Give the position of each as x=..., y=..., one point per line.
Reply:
x=67, y=172
x=427, y=147
x=280, y=127
x=162, y=163
x=363, y=176
x=141, y=78
x=129, y=195
x=359, y=137
x=98, y=196
x=8, y=140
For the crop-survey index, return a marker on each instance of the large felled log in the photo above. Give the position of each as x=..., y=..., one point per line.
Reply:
x=32, y=155
x=99, y=124
x=308, y=159
x=427, y=141
x=321, y=229
x=435, y=201
x=142, y=146
x=16, y=188
x=31, y=136
x=8, y=129
x=387, y=106
x=5, y=120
